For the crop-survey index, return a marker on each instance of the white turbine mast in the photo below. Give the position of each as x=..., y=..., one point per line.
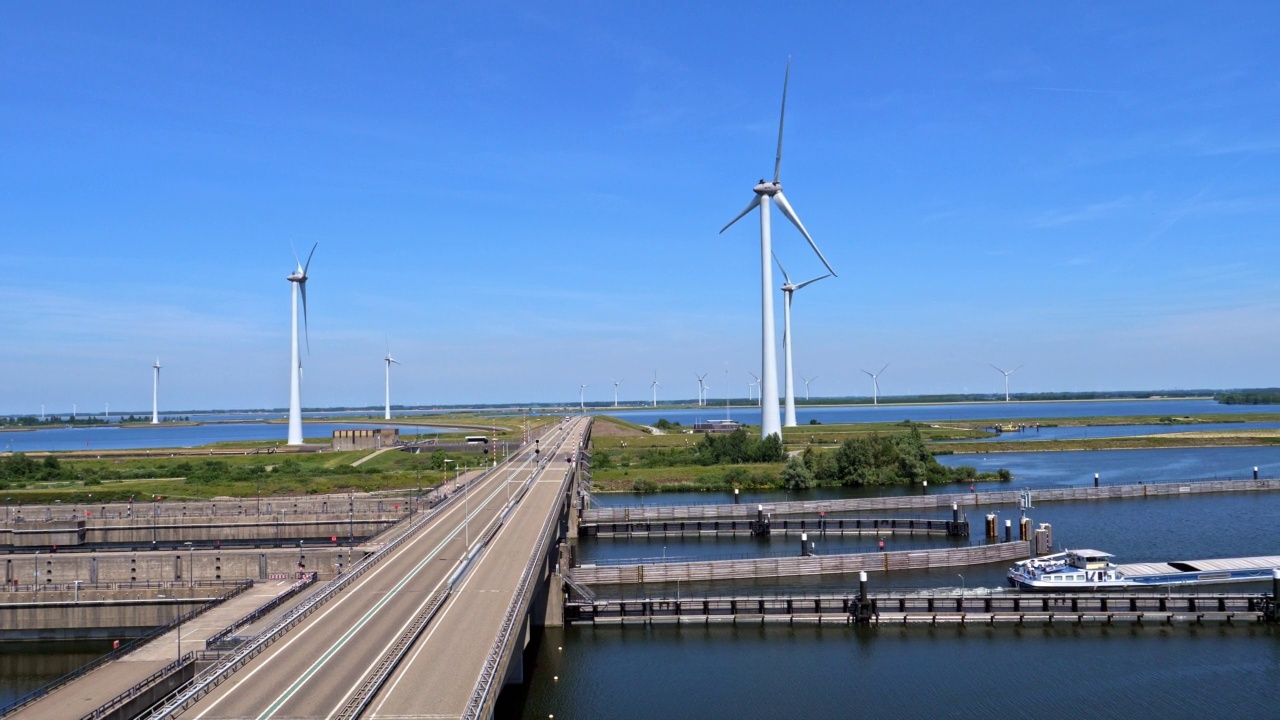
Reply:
x=389, y=360
x=788, y=290
x=875, y=384
x=1006, y=374
x=655, y=385
x=616, y=383
x=155, y=393
x=752, y=384
x=582, y=406
x=298, y=288
x=806, y=386
x=702, y=389
x=770, y=423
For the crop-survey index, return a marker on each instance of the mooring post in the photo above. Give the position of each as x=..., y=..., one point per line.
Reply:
x=804, y=544
x=955, y=513
x=862, y=612
x=735, y=496
x=1271, y=608
x=1008, y=530
x=991, y=525
x=1255, y=472
x=925, y=488
x=1095, y=479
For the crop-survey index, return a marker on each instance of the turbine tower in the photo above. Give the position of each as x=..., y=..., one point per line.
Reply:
x=875, y=384
x=155, y=394
x=655, y=385
x=702, y=389
x=806, y=386
x=298, y=287
x=582, y=407
x=752, y=384
x=1006, y=374
x=788, y=289
x=616, y=383
x=765, y=192
x=389, y=360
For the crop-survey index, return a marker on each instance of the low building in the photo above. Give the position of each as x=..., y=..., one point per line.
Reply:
x=365, y=439
x=717, y=426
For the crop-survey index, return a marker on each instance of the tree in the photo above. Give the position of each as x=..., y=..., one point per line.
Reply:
x=796, y=475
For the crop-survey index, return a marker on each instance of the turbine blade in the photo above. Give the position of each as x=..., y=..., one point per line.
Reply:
x=1016, y=369
x=308, y=265
x=294, y=250
x=785, y=277
x=998, y=369
x=302, y=287
x=752, y=206
x=873, y=377
x=882, y=369
x=810, y=282
x=782, y=118
x=781, y=201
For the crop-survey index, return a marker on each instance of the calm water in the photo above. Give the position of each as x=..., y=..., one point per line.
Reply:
x=24, y=668
x=952, y=411
x=1058, y=672
x=1109, y=431
x=160, y=436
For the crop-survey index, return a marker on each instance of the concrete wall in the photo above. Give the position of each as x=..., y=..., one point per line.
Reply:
x=95, y=614
x=163, y=566
x=141, y=532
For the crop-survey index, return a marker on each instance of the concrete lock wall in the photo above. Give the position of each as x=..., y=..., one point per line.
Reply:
x=95, y=614
x=165, y=566
x=143, y=531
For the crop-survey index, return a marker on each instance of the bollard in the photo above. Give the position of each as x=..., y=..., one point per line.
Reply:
x=991, y=525
x=925, y=490
x=1024, y=532
x=804, y=544
x=1255, y=472
x=1008, y=530
x=862, y=584
x=1275, y=586
x=1095, y=479
x=735, y=496
x=760, y=513
x=955, y=513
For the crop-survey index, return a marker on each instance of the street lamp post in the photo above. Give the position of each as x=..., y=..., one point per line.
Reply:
x=466, y=512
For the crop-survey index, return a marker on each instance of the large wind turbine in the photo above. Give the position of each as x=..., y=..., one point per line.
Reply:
x=788, y=289
x=765, y=191
x=1006, y=374
x=875, y=384
x=388, y=359
x=655, y=385
x=298, y=287
x=616, y=383
x=155, y=394
x=702, y=389
x=582, y=406
x=806, y=386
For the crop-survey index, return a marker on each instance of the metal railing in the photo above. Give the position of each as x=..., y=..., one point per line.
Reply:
x=220, y=639
x=121, y=651
x=139, y=687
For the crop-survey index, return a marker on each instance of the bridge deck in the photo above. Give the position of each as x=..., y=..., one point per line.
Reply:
x=76, y=699
x=439, y=677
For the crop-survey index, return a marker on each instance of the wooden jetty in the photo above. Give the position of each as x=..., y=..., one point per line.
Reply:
x=979, y=606
x=770, y=567
x=936, y=501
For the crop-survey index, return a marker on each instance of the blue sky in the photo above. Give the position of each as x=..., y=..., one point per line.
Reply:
x=525, y=197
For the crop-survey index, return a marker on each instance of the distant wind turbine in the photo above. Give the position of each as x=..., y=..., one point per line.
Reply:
x=752, y=384
x=616, y=383
x=1006, y=374
x=389, y=360
x=298, y=287
x=788, y=290
x=765, y=192
x=806, y=386
x=875, y=384
x=155, y=394
x=581, y=403
x=702, y=389
x=655, y=385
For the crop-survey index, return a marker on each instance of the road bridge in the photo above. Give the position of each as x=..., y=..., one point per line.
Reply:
x=462, y=583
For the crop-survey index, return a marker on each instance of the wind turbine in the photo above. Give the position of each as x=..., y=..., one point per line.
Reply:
x=298, y=287
x=1006, y=374
x=875, y=385
x=616, y=383
x=581, y=403
x=655, y=385
x=806, y=386
x=751, y=385
x=702, y=389
x=388, y=359
x=764, y=192
x=155, y=394
x=789, y=289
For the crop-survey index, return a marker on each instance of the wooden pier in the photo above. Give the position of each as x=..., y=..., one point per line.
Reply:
x=935, y=501
x=797, y=566
x=979, y=606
